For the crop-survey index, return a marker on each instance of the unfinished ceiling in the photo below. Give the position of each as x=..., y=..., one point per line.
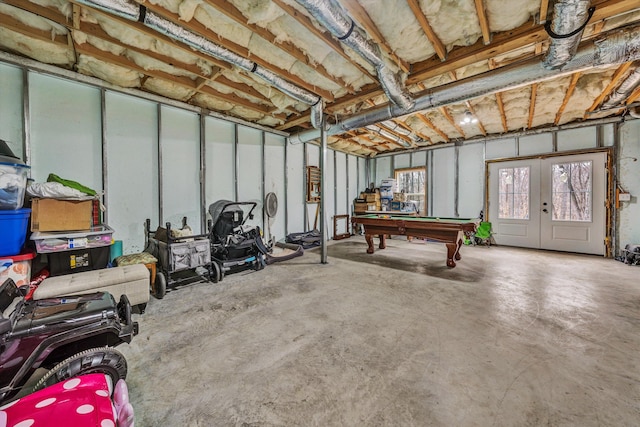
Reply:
x=393, y=75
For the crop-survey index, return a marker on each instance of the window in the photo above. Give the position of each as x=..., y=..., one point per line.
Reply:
x=571, y=191
x=412, y=182
x=513, y=193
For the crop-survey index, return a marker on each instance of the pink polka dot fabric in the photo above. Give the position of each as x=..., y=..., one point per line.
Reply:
x=78, y=402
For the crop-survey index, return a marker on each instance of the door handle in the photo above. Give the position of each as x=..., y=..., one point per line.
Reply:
x=544, y=210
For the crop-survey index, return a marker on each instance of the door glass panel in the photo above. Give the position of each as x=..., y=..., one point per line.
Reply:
x=571, y=191
x=513, y=193
x=411, y=182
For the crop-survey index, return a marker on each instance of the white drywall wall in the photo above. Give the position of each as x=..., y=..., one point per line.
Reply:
x=629, y=181
x=180, y=150
x=66, y=135
x=274, y=182
x=535, y=144
x=219, y=161
x=470, y=180
x=442, y=184
x=132, y=164
x=250, y=170
x=11, y=108
x=341, y=184
x=576, y=139
x=295, y=188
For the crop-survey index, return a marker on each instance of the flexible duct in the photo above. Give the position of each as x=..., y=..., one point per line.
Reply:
x=569, y=19
x=336, y=20
x=135, y=12
x=613, y=48
x=624, y=90
x=388, y=135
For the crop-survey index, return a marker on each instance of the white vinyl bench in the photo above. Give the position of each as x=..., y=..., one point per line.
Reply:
x=131, y=280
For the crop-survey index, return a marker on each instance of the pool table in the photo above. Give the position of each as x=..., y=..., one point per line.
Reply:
x=449, y=231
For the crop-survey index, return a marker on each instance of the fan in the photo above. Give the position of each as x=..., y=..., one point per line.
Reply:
x=270, y=208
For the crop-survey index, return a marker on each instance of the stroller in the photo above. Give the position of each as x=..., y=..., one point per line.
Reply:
x=235, y=246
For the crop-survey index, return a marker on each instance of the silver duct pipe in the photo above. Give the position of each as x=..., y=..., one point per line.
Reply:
x=385, y=133
x=624, y=90
x=634, y=112
x=613, y=48
x=569, y=19
x=135, y=12
x=338, y=22
x=390, y=124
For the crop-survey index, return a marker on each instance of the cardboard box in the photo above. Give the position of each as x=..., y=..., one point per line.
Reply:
x=61, y=215
x=373, y=197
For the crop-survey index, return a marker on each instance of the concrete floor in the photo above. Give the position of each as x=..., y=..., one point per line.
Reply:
x=510, y=337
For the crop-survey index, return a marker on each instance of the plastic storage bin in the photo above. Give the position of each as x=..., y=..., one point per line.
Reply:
x=63, y=241
x=13, y=230
x=13, y=182
x=18, y=268
x=76, y=261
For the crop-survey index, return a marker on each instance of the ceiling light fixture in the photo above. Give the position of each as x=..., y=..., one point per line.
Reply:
x=468, y=118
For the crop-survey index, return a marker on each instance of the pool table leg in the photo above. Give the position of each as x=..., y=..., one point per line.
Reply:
x=452, y=252
x=383, y=241
x=369, y=239
x=458, y=257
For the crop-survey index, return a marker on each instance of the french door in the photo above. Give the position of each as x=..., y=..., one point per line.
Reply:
x=555, y=203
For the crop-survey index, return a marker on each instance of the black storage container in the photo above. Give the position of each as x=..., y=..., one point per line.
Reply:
x=78, y=260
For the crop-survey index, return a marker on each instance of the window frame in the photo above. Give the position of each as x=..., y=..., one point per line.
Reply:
x=423, y=169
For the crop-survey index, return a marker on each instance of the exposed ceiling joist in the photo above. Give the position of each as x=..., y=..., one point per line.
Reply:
x=437, y=44
x=484, y=23
x=445, y=112
x=198, y=28
x=532, y=104
x=229, y=10
x=615, y=81
x=362, y=17
x=13, y=24
x=503, y=115
x=473, y=111
x=567, y=96
x=433, y=127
